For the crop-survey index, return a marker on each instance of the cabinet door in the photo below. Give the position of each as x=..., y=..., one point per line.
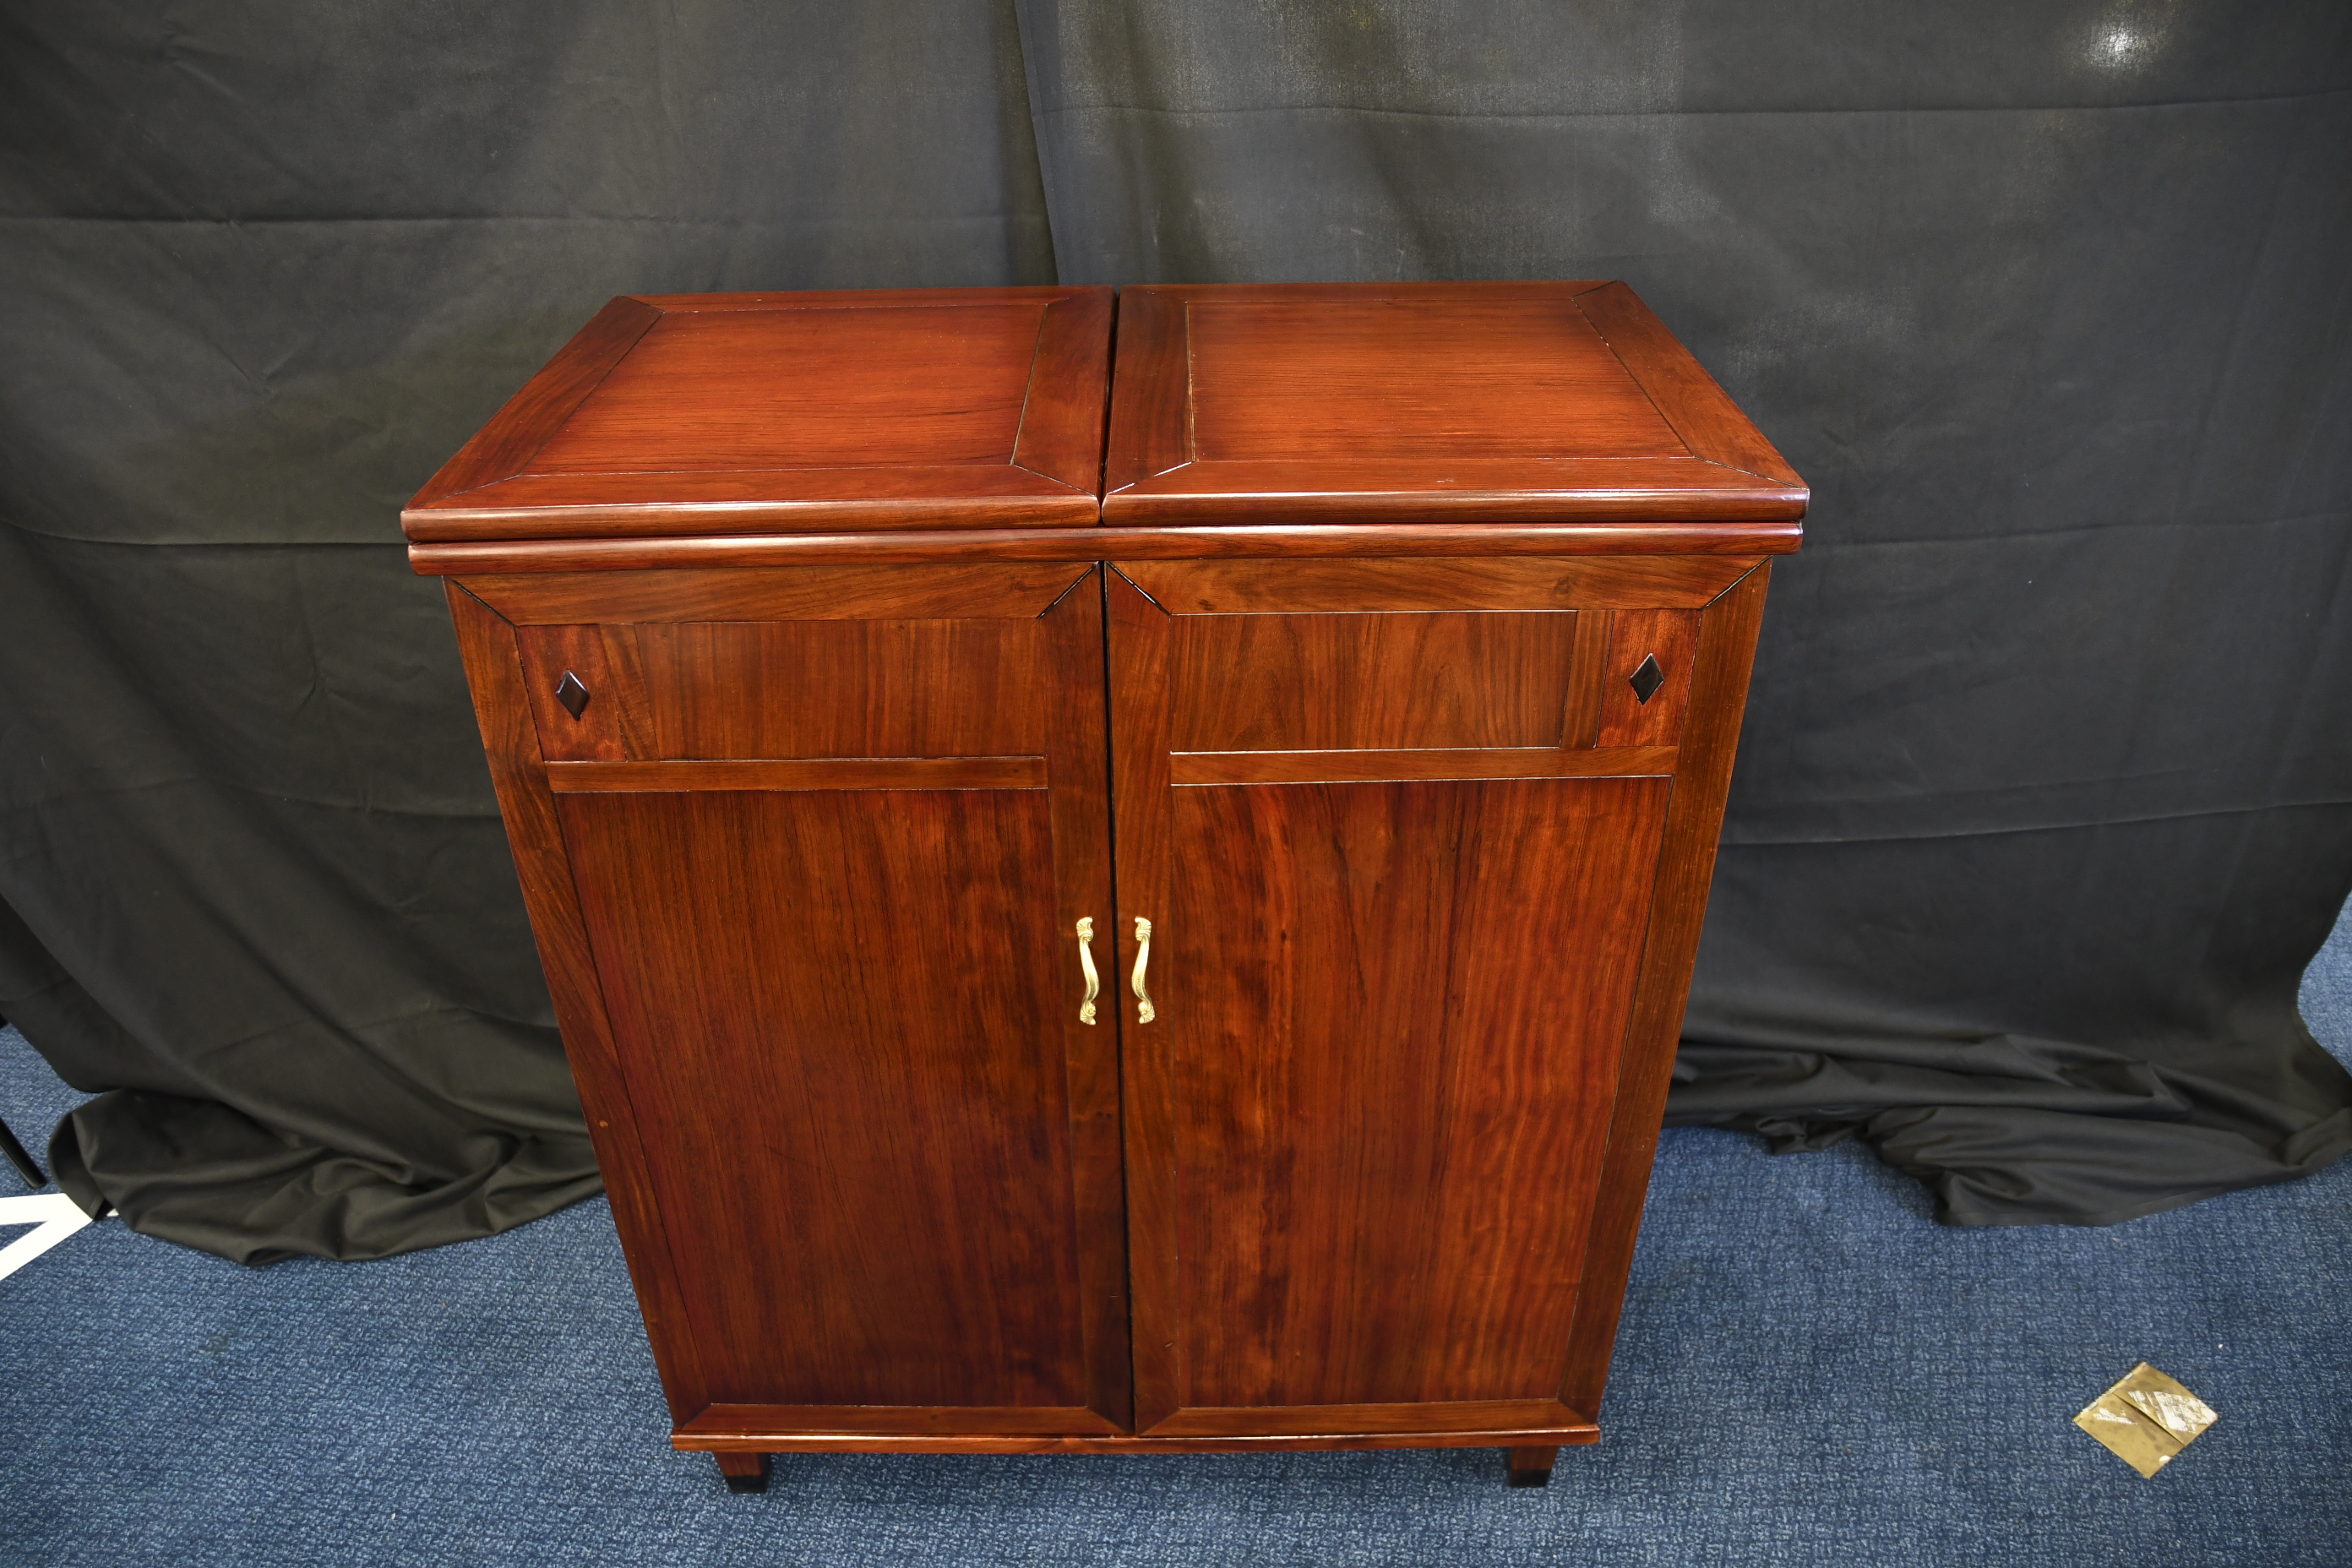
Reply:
x=1396, y=841
x=831, y=831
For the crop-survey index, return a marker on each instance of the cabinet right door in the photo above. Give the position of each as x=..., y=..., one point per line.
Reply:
x=1394, y=827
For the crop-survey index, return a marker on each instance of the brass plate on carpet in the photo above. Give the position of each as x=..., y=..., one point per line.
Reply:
x=2146, y=1419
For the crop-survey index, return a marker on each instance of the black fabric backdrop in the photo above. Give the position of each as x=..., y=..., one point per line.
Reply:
x=2046, y=794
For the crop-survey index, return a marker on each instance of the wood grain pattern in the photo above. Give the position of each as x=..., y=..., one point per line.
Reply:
x=905, y=386
x=742, y=1428
x=1339, y=682
x=1670, y=637
x=816, y=772
x=1703, y=415
x=1068, y=397
x=846, y=1009
x=1138, y=633
x=501, y=449
x=548, y=653
x=1419, y=1416
x=869, y=982
x=909, y=409
x=1149, y=390
x=844, y=689
x=494, y=673
x=1580, y=719
x=1727, y=649
x=965, y=590
x=1078, y=774
x=1257, y=586
x=1424, y=403
x=1692, y=543
x=1390, y=375
x=1206, y=768
x=1395, y=1024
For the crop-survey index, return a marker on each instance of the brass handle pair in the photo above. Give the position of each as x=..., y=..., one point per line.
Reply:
x=1144, y=1012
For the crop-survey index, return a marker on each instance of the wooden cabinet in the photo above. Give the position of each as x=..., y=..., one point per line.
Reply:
x=1193, y=966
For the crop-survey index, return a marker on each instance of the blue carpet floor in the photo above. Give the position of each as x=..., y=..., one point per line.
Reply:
x=1811, y=1371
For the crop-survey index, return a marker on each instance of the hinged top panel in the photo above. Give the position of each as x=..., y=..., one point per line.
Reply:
x=698, y=414
x=1429, y=402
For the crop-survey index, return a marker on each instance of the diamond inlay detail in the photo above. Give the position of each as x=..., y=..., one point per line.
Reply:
x=1645, y=682
x=572, y=693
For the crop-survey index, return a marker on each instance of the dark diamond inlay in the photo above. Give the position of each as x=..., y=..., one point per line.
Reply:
x=574, y=696
x=1645, y=682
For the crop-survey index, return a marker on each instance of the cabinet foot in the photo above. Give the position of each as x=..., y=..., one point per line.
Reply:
x=1531, y=1467
x=749, y=1472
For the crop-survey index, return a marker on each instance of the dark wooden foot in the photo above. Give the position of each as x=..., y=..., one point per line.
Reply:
x=1531, y=1467
x=744, y=1472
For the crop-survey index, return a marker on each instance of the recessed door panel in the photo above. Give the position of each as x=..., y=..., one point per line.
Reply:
x=844, y=995
x=1366, y=1119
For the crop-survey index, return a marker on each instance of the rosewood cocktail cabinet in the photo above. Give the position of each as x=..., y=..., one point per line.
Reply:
x=1117, y=874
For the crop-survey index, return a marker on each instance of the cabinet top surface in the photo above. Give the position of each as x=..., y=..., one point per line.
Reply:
x=1452, y=401
x=968, y=407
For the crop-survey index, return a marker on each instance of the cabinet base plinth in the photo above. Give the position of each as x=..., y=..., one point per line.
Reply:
x=741, y=1431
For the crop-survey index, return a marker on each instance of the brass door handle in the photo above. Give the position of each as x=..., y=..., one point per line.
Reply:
x=1143, y=1010
x=1087, y=963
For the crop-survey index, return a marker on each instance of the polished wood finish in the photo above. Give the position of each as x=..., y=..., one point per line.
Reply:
x=1727, y=648
x=696, y=414
x=867, y=955
x=1366, y=1117
x=1688, y=545
x=1422, y=402
x=742, y=1428
x=1338, y=681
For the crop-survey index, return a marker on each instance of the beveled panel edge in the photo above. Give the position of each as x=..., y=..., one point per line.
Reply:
x=1067, y=407
x=1703, y=415
x=784, y=1428
x=1245, y=586
x=1432, y=764
x=822, y=589
x=1151, y=390
x=1639, y=489
x=798, y=774
x=1001, y=496
x=862, y=298
x=539, y=408
x=1752, y=537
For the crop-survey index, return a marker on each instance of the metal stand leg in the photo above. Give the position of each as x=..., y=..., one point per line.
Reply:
x=19, y=1158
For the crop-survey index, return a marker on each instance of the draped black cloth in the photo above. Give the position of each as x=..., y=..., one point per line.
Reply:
x=2045, y=796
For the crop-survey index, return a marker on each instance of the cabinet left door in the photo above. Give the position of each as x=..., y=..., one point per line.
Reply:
x=807, y=850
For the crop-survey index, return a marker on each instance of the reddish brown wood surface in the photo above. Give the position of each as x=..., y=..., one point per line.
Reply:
x=510, y=741
x=1241, y=588
x=681, y=415
x=1367, y=1118
x=1371, y=766
x=1334, y=682
x=1689, y=545
x=812, y=773
x=1636, y=636
x=844, y=1003
x=737, y=1429
x=1718, y=692
x=1429, y=402
x=792, y=589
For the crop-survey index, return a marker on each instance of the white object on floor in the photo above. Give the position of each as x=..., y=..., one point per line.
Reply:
x=56, y=1218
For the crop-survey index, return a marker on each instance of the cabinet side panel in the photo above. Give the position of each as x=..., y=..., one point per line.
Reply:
x=836, y=1011
x=1396, y=1032
x=1719, y=696
x=494, y=671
